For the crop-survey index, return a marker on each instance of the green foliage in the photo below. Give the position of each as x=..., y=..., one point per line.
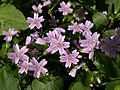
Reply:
x=79, y=86
x=10, y=17
x=108, y=65
x=38, y=85
x=113, y=4
x=53, y=83
x=113, y=85
x=88, y=78
x=110, y=32
x=13, y=14
x=100, y=19
x=7, y=81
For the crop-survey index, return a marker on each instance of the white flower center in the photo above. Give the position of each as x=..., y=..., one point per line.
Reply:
x=69, y=58
x=35, y=21
x=85, y=28
x=18, y=54
x=37, y=67
x=65, y=9
x=76, y=27
x=59, y=45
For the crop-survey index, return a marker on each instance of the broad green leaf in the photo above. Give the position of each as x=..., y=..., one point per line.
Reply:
x=88, y=78
x=6, y=1
x=107, y=65
x=115, y=3
x=114, y=85
x=38, y=85
x=79, y=86
x=110, y=32
x=55, y=83
x=10, y=17
x=100, y=19
x=117, y=87
x=7, y=81
x=4, y=48
x=29, y=87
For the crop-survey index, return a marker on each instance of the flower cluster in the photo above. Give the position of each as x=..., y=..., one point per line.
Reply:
x=55, y=41
x=22, y=60
x=9, y=34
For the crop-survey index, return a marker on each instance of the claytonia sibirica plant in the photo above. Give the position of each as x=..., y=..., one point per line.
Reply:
x=70, y=58
x=86, y=27
x=75, y=27
x=59, y=45
x=24, y=66
x=65, y=8
x=35, y=22
x=74, y=70
x=90, y=43
x=11, y=32
x=38, y=68
x=18, y=54
x=37, y=9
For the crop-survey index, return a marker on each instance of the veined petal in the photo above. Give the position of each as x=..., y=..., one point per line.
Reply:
x=23, y=50
x=37, y=73
x=24, y=57
x=16, y=48
x=43, y=62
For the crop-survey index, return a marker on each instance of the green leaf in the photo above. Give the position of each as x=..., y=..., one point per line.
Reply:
x=100, y=19
x=115, y=3
x=4, y=48
x=108, y=65
x=88, y=78
x=55, y=83
x=79, y=86
x=38, y=85
x=7, y=81
x=10, y=17
x=110, y=32
x=114, y=85
x=29, y=87
x=117, y=87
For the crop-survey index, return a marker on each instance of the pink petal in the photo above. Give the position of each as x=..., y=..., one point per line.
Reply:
x=16, y=48
x=23, y=50
x=43, y=62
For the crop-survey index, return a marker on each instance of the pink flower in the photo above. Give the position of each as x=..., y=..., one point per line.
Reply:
x=50, y=36
x=35, y=22
x=18, y=54
x=9, y=34
x=28, y=40
x=75, y=27
x=86, y=27
x=59, y=45
x=40, y=41
x=70, y=58
x=46, y=3
x=38, y=68
x=35, y=35
x=58, y=31
x=65, y=8
x=90, y=43
x=37, y=9
x=74, y=70
x=24, y=66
